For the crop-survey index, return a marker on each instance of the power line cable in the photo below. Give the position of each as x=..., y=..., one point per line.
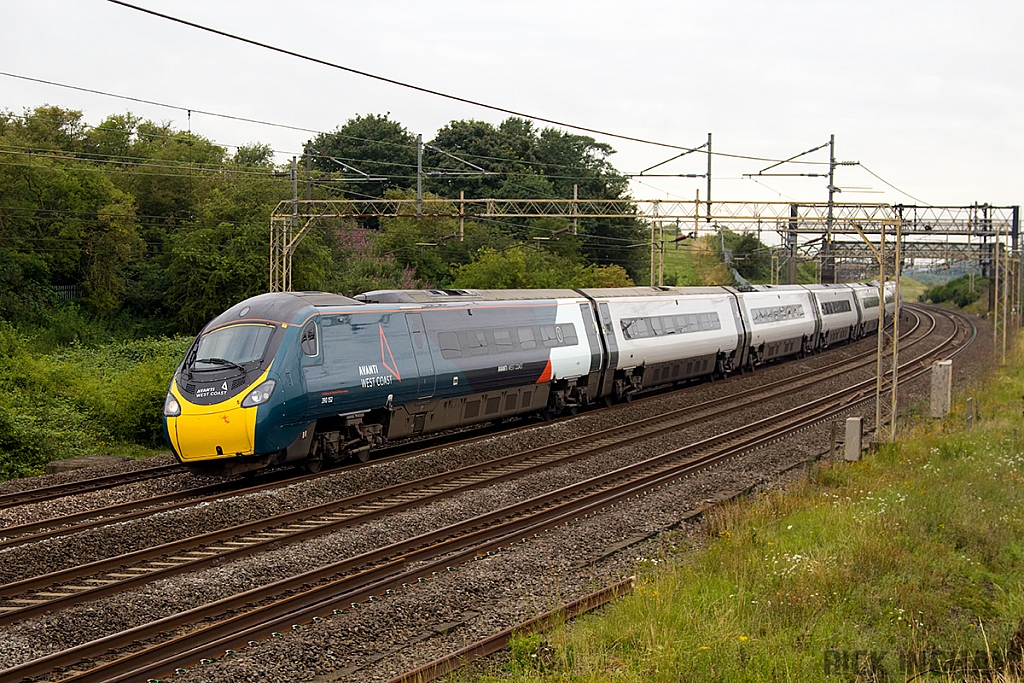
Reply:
x=893, y=186
x=159, y=104
x=384, y=79
x=437, y=93
x=601, y=173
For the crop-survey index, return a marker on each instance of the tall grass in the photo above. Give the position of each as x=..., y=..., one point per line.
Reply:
x=64, y=400
x=908, y=564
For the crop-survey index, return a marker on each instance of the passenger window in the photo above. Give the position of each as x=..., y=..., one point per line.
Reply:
x=477, y=342
x=569, y=334
x=548, y=335
x=502, y=341
x=417, y=335
x=607, y=317
x=308, y=341
x=527, y=338
x=449, y=343
x=656, y=326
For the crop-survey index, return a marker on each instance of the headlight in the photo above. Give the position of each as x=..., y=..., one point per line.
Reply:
x=171, y=406
x=259, y=395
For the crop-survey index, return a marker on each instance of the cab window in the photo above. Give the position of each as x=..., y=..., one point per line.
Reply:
x=309, y=341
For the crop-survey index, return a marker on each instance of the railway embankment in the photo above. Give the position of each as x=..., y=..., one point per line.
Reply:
x=906, y=565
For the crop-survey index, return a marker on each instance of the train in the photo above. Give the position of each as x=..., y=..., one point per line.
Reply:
x=314, y=378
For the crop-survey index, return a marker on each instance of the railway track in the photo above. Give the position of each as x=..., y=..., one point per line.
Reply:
x=37, y=595
x=90, y=519
x=43, y=493
x=375, y=573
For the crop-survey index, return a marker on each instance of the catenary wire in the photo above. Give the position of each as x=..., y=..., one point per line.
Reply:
x=410, y=86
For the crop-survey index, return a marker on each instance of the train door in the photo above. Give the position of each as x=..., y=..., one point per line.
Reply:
x=594, y=374
x=315, y=378
x=421, y=351
x=611, y=346
x=744, y=330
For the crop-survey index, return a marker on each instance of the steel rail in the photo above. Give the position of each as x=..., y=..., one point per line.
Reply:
x=398, y=563
x=17, y=535
x=42, y=493
x=445, y=665
x=193, y=553
x=174, y=557
x=122, y=512
x=193, y=645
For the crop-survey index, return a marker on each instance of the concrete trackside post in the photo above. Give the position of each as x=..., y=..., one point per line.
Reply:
x=854, y=432
x=942, y=387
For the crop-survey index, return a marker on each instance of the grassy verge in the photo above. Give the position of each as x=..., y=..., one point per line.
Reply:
x=74, y=400
x=910, y=289
x=908, y=565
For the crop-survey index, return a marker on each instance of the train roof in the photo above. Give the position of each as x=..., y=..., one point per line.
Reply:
x=828, y=285
x=779, y=288
x=612, y=292
x=279, y=306
x=425, y=296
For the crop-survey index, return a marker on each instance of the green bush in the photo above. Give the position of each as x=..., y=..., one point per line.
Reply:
x=959, y=291
x=80, y=400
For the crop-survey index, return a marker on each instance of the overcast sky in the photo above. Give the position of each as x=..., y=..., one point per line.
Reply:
x=928, y=95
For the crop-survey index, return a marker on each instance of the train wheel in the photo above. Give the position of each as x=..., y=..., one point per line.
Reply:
x=363, y=454
x=315, y=460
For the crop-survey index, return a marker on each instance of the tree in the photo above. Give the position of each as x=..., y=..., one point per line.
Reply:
x=524, y=268
x=373, y=144
x=254, y=154
x=751, y=258
x=431, y=246
x=63, y=222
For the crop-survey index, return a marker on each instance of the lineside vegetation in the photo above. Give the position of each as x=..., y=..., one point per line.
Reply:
x=62, y=401
x=908, y=565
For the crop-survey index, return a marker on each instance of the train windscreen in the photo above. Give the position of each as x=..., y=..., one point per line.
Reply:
x=234, y=345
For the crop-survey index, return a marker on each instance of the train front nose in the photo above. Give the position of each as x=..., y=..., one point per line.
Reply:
x=220, y=430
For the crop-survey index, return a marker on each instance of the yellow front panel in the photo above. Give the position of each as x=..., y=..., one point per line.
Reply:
x=199, y=430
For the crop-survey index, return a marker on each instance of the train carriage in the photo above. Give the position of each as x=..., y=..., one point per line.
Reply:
x=658, y=335
x=840, y=316
x=781, y=320
x=496, y=354
x=866, y=297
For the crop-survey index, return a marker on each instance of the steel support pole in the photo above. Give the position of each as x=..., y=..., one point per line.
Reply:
x=828, y=268
x=287, y=261
x=419, y=176
x=994, y=287
x=661, y=254
x=708, y=219
x=880, y=337
x=654, y=221
x=894, y=407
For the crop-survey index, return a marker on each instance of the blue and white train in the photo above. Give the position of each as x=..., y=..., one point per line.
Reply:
x=312, y=378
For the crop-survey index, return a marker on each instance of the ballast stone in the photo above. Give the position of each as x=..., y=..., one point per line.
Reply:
x=71, y=464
